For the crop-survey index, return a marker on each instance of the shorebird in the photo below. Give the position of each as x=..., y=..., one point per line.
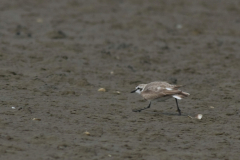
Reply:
x=159, y=91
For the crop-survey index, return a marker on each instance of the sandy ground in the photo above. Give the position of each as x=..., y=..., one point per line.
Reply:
x=55, y=55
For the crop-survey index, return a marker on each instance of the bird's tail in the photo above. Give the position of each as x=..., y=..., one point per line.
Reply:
x=185, y=94
x=181, y=95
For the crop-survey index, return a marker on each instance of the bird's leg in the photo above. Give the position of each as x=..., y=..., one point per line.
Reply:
x=179, y=111
x=139, y=110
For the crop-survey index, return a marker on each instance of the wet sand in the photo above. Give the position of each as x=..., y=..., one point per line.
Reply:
x=55, y=55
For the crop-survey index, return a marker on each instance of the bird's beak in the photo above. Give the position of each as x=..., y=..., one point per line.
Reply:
x=134, y=91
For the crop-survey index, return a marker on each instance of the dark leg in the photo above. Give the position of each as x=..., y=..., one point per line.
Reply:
x=179, y=111
x=139, y=110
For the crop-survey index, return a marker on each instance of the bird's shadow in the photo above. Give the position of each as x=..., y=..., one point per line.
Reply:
x=162, y=113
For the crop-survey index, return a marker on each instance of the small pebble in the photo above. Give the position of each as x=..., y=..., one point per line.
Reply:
x=36, y=119
x=87, y=133
x=117, y=92
x=101, y=90
x=199, y=116
x=179, y=26
x=39, y=20
x=13, y=107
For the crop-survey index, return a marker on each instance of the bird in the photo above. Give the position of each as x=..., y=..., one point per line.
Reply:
x=160, y=91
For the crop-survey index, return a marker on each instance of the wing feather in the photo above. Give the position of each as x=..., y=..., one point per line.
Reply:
x=154, y=93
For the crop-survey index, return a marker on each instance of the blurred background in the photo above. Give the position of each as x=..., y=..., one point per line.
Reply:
x=55, y=55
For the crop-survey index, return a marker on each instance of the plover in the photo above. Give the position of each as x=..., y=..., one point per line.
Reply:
x=160, y=91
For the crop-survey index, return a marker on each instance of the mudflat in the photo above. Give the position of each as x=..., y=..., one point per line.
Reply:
x=55, y=55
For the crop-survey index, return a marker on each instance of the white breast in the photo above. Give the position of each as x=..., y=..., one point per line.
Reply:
x=138, y=91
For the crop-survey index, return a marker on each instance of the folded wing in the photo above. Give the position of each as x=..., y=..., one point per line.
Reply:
x=153, y=93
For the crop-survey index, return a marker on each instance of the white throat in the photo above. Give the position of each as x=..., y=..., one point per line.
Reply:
x=138, y=91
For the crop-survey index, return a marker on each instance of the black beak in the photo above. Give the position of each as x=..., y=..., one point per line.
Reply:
x=134, y=91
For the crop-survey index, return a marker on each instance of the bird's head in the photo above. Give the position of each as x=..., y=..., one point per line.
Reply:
x=139, y=88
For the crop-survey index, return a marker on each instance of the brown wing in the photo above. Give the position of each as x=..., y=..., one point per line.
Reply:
x=163, y=85
x=177, y=86
x=151, y=93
